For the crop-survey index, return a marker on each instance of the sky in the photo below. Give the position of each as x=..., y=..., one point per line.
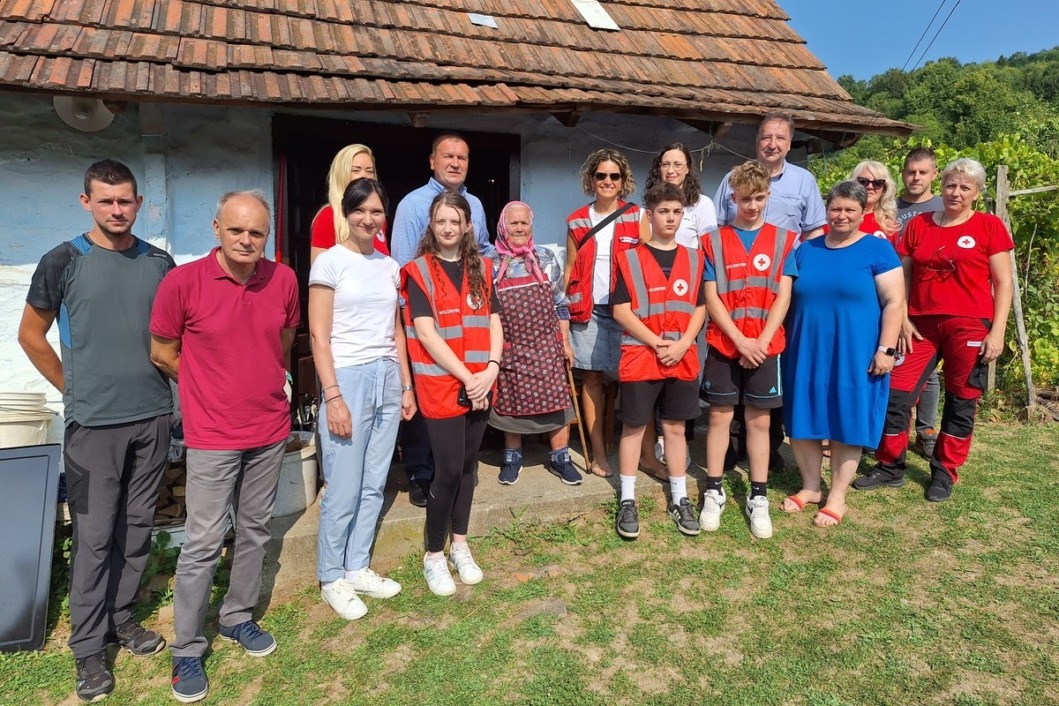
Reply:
x=867, y=38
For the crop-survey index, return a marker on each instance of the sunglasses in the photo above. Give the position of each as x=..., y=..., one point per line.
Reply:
x=874, y=183
x=613, y=176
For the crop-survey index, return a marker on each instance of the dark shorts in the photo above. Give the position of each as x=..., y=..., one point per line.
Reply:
x=725, y=382
x=676, y=400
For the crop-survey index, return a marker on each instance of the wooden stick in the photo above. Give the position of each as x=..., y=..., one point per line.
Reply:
x=1002, y=195
x=577, y=416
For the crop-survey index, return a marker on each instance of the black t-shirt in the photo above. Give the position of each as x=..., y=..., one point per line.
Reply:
x=418, y=301
x=665, y=260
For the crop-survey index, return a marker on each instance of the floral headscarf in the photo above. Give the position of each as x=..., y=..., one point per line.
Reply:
x=508, y=251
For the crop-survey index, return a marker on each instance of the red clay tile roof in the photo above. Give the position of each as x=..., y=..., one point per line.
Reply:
x=711, y=60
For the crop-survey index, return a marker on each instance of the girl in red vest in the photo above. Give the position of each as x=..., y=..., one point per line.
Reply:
x=597, y=234
x=454, y=344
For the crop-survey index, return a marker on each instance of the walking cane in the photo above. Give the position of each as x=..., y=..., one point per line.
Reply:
x=577, y=416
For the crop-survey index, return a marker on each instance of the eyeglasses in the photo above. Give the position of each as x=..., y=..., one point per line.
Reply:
x=874, y=183
x=602, y=176
x=664, y=166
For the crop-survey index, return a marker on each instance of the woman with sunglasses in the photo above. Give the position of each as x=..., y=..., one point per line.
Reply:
x=958, y=270
x=596, y=236
x=880, y=213
x=329, y=226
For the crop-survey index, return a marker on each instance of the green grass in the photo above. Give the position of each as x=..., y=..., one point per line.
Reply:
x=905, y=602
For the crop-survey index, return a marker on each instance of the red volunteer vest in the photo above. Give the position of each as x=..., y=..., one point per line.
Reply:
x=747, y=283
x=464, y=328
x=665, y=307
x=626, y=237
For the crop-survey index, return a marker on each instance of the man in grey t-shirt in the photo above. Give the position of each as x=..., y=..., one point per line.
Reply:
x=918, y=174
x=100, y=287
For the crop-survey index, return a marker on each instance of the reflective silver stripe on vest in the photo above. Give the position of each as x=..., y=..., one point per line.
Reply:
x=630, y=340
x=750, y=312
x=575, y=298
x=721, y=274
x=682, y=307
x=410, y=332
x=643, y=308
x=767, y=282
x=476, y=322
x=429, y=369
x=579, y=223
x=424, y=271
x=476, y=356
x=450, y=332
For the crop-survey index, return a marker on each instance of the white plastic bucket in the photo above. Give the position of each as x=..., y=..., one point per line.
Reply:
x=23, y=428
x=298, y=482
x=22, y=402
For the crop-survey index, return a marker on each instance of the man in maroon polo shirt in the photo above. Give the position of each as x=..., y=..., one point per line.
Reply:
x=221, y=326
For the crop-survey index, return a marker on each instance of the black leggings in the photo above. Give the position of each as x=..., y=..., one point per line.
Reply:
x=455, y=443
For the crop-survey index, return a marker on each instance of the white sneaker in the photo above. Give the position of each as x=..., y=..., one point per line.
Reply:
x=468, y=569
x=757, y=509
x=343, y=600
x=712, y=506
x=372, y=585
x=439, y=580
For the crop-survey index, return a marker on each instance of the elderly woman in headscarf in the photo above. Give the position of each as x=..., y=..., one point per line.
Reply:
x=532, y=393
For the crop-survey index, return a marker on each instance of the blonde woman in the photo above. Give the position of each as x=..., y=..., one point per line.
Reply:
x=880, y=213
x=329, y=226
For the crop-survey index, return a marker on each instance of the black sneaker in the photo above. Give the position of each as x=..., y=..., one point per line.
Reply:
x=94, y=680
x=510, y=467
x=627, y=521
x=559, y=465
x=189, y=680
x=683, y=514
x=251, y=637
x=137, y=639
x=878, y=478
x=940, y=488
x=418, y=491
x=926, y=440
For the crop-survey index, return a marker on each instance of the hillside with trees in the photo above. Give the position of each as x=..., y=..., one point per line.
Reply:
x=1003, y=112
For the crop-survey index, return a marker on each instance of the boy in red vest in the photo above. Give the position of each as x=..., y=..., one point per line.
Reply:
x=749, y=271
x=658, y=300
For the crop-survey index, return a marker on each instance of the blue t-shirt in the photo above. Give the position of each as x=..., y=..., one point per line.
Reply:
x=790, y=265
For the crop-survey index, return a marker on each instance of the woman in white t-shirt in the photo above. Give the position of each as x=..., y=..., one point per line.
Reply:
x=359, y=350
x=673, y=164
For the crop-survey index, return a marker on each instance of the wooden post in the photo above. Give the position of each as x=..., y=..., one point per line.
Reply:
x=1002, y=194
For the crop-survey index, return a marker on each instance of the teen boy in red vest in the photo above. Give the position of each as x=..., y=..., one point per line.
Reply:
x=749, y=271
x=658, y=301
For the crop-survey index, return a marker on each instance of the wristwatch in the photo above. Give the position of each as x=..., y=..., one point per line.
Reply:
x=888, y=351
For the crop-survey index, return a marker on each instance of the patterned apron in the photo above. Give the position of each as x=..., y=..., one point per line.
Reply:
x=532, y=369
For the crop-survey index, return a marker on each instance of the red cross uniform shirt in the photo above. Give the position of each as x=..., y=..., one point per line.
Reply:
x=950, y=265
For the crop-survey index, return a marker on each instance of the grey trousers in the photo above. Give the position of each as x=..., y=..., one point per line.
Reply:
x=112, y=477
x=245, y=480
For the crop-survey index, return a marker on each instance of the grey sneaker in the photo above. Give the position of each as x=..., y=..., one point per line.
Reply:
x=250, y=637
x=713, y=502
x=137, y=639
x=684, y=516
x=628, y=521
x=94, y=680
x=877, y=478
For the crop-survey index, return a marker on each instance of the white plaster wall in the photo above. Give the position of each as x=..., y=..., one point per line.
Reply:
x=184, y=157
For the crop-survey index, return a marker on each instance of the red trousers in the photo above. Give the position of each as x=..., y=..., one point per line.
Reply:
x=957, y=340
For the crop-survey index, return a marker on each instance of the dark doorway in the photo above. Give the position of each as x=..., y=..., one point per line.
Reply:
x=303, y=148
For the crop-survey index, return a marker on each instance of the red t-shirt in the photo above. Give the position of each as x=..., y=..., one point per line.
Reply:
x=950, y=265
x=231, y=361
x=322, y=231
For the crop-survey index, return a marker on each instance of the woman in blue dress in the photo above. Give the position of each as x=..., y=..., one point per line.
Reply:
x=847, y=307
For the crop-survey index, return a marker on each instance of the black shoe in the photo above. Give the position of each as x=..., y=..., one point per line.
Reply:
x=627, y=522
x=878, y=478
x=137, y=639
x=94, y=680
x=189, y=680
x=940, y=488
x=418, y=490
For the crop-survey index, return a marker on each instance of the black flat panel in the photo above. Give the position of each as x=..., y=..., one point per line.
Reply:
x=29, y=481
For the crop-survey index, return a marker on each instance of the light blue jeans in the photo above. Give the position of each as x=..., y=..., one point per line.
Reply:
x=355, y=469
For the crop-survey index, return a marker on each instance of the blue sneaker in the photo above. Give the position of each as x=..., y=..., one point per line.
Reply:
x=561, y=466
x=510, y=467
x=253, y=639
x=189, y=680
